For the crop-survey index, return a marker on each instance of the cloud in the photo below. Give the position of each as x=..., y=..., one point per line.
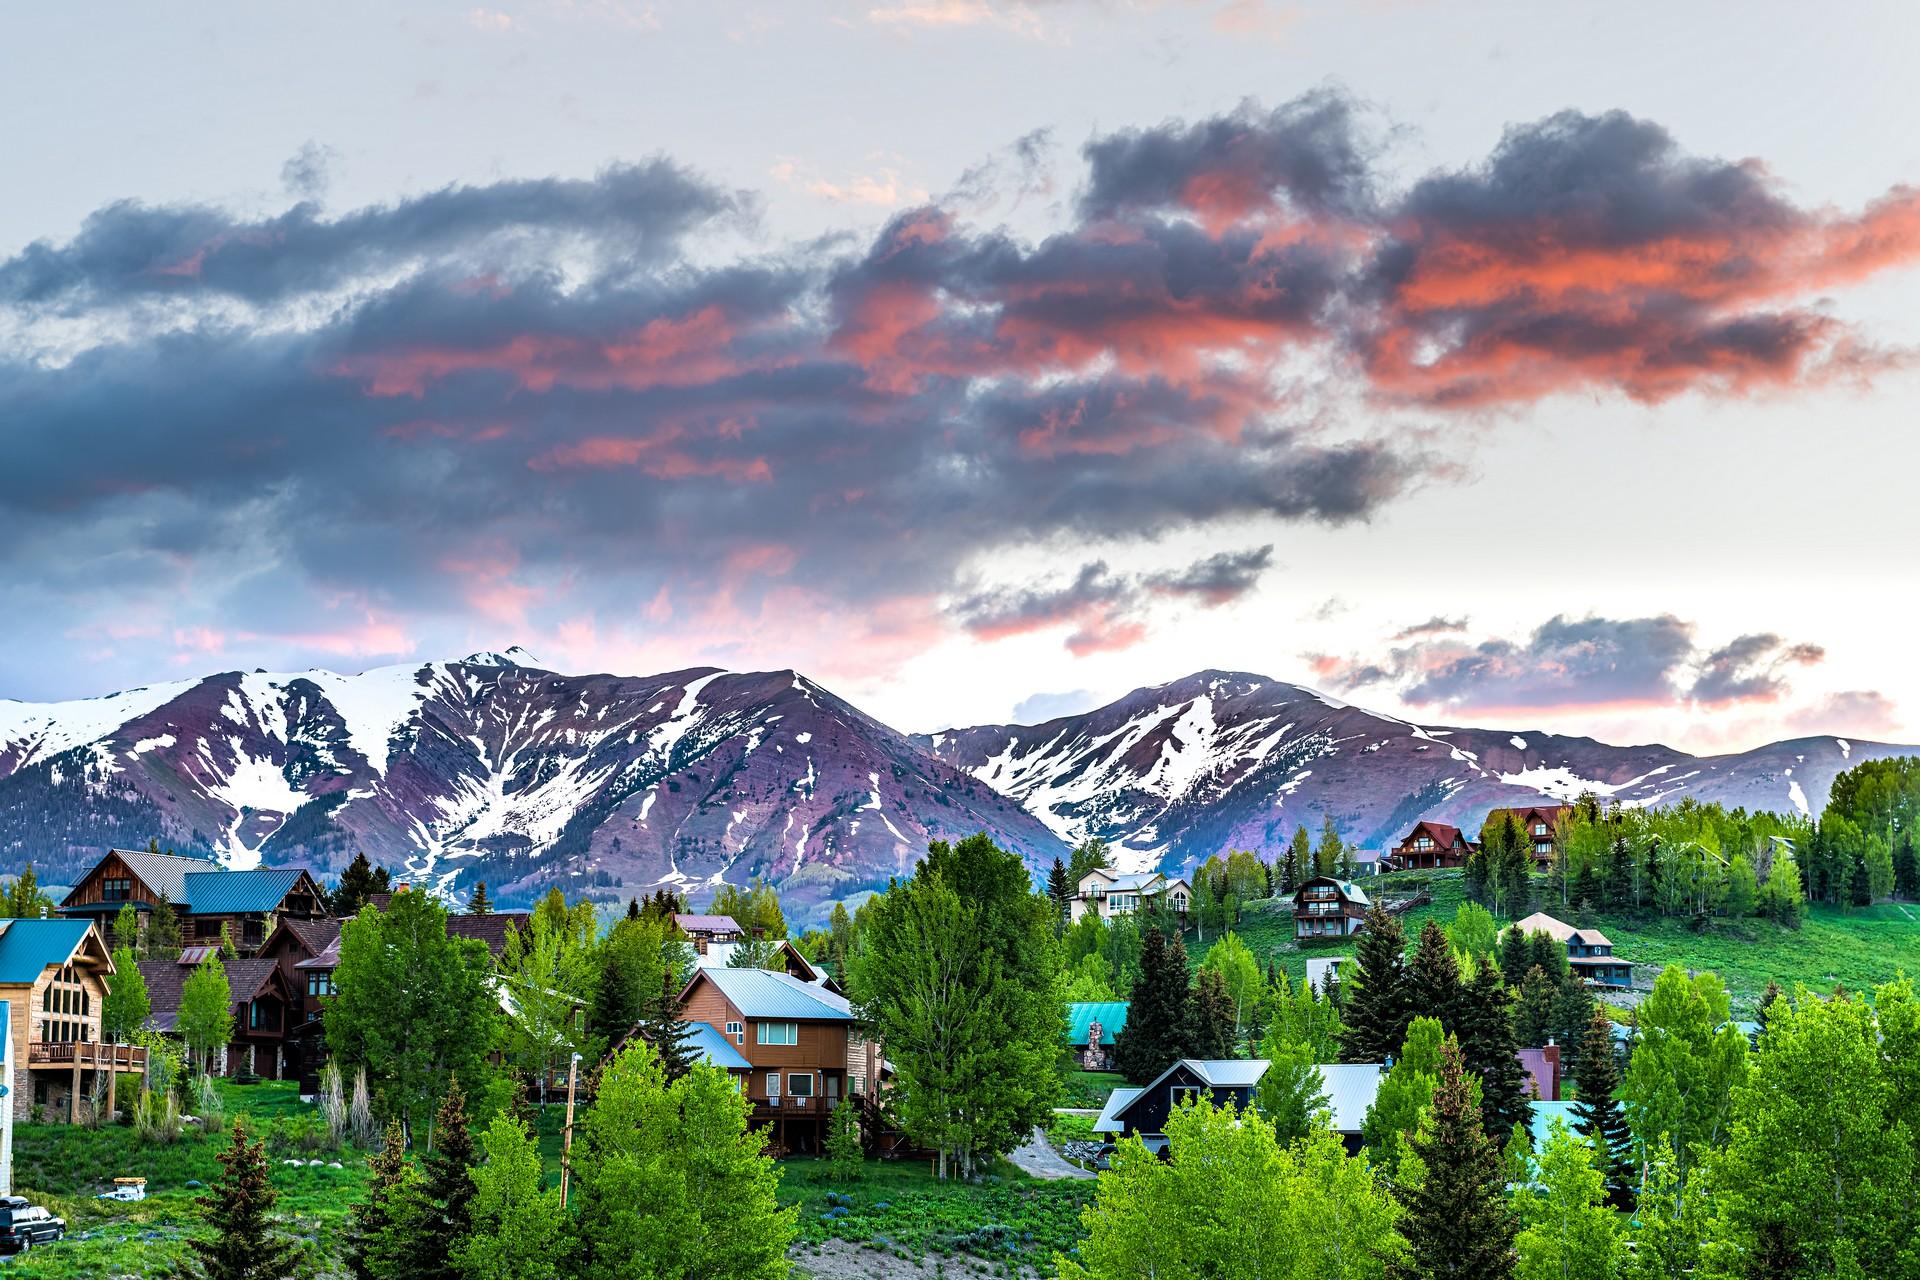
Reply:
x=1860, y=712
x=579, y=403
x=1573, y=663
x=307, y=173
x=1040, y=707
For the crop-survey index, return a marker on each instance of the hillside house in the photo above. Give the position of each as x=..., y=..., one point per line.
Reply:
x=1430, y=846
x=1589, y=953
x=1349, y=1089
x=303, y=1050
x=204, y=898
x=1108, y=893
x=803, y=1048
x=1324, y=907
x=720, y=955
x=1540, y=823
x=263, y=1011
x=54, y=974
x=1092, y=1027
x=704, y=931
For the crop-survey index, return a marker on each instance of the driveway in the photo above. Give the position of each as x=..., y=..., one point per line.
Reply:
x=1037, y=1158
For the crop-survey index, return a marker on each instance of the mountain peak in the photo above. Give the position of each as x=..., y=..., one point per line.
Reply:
x=513, y=657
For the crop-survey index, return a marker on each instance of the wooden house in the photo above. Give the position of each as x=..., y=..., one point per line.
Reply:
x=704, y=931
x=1589, y=953
x=1143, y=1112
x=1324, y=907
x=54, y=974
x=1539, y=823
x=263, y=1011
x=1430, y=846
x=803, y=1048
x=249, y=904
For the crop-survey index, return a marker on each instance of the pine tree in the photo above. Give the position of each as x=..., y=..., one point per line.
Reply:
x=1573, y=1008
x=1212, y=1015
x=664, y=1026
x=1516, y=956
x=1596, y=1111
x=1765, y=1010
x=369, y=1224
x=1486, y=1046
x=1159, y=1028
x=1457, y=1222
x=446, y=1190
x=246, y=1244
x=1058, y=888
x=1533, y=1010
x=1906, y=867
x=1297, y=865
x=358, y=883
x=1378, y=1001
x=163, y=931
x=480, y=904
x=1475, y=882
x=1433, y=977
x=1862, y=885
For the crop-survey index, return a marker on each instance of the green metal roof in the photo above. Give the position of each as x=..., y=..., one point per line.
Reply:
x=215, y=893
x=1110, y=1014
x=27, y=947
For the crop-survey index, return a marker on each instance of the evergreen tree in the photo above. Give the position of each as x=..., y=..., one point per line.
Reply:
x=1765, y=1008
x=1159, y=1028
x=1743, y=890
x=480, y=904
x=163, y=940
x=1862, y=885
x=1596, y=1110
x=1487, y=1048
x=1458, y=1225
x=24, y=899
x=370, y=1238
x=446, y=1190
x=1906, y=867
x=1516, y=956
x=1297, y=866
x=1058, y=888
x=1573, y=1009
x=1475, y=882
x=664, y=1027
x=1378, y=1001
x=1211, y=1010
x=246, y=1243
x=357, y=884
x=1433, y=977
x=1533, y=1009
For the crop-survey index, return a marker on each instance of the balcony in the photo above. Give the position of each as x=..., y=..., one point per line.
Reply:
x=87, y=1055
x=789, y=1107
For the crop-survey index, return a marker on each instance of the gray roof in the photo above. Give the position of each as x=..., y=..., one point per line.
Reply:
x=164, y=872
x=1228, y=1073
x=765, y=993
x=1117, y=1101
x=1350, y=1088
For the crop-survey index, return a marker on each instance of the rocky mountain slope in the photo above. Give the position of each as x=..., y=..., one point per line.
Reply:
x=493, y=768
x=1223, y=760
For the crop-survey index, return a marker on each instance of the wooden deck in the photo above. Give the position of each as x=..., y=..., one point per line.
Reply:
x=87, y=1055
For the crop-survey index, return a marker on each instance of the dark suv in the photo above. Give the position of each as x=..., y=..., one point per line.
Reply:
x=24, y=1225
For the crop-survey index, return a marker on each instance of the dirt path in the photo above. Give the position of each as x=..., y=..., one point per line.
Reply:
x=841, y=1260
x=1037, y=1158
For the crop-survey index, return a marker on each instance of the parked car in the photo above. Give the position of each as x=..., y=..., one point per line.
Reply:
x=24, y=1225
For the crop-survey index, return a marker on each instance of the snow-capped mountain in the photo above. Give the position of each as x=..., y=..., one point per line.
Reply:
x=1227, y=760
x=493, y=768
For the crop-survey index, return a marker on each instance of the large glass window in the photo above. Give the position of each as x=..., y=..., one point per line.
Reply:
x=800, y=1085
x=116, y=888
x=777, y=1032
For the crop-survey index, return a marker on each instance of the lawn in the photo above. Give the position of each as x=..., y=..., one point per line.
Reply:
x=1851, y=948
x=898, y=1207
x=1087, y=1089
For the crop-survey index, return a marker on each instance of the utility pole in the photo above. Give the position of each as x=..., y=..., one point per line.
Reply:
x=566, y=1134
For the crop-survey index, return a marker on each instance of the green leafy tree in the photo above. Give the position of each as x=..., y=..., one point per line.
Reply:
x=1291, y=1094
x=1597, y=1114
x=517, y=1226
x=127, y=1006
x=126, y=929
x=670, y=1180
x=1670, y=1226
x=1458, y=1223
x=1473, y=931
x=205, y=1019
x=1302, y=1016
x=845, y=1154
x=1567, y=1232
x=1378, y=998
x=1240, y=972
x=755, y=907
x=1686, y=1064
x=1090, y=980
x=1782, y=898
x=1818, y=1166
x=663, y=1021
x=1743, y=889
x=1232, y=1202
x=1088, y=855
x=1159, y=1028
x=415, y=1006
x=551, y=970
x=162, y=941
x=633, y=966
x=1404, y=1097
x=1331, y=852
x=958, y=974
x=246, y=1243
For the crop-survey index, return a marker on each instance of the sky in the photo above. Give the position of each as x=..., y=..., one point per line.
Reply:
x=1535, y=366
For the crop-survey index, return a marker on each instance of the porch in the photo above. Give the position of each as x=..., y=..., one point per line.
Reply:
x=77, y=1056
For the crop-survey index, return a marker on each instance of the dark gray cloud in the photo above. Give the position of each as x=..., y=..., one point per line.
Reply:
x=1751, y=668
x=1433, y=626
x=308, y=171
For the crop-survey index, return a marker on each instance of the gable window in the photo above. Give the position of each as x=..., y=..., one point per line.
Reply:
x=1179, y=1091
x=116, y=888
x=737, y=1032
x=1539, y=828
x=777, y=1032
x=1424, y=842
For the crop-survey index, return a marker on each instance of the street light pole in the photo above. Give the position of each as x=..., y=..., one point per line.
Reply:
x=566, y=1134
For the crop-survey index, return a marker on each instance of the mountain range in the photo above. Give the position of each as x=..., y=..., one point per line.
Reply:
x=493, y=768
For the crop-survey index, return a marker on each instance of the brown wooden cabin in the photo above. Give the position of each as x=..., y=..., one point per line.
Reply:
x=263, y=1010
x=1539, y=823
x=293, y=943
x=204, y=897
x=1324, y=907
x=54, y=976
x=1430, y=846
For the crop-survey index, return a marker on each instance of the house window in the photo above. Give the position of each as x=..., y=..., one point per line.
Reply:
x=320, y=983
x=116, y=888
x=738, y=1032
x=1539, y=828
x=1176, y=1092
x=777, y=1032
x=800, y=1085
x=1424, y=842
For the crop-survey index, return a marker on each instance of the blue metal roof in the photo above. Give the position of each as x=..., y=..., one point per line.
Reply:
x=27, y=947
x=716, y=1048
x=1081, y=1015
x=1544, y=1114
x=765, y=993
x=214, y=893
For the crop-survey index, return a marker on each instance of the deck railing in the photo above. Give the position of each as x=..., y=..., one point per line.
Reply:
x=87, y=1053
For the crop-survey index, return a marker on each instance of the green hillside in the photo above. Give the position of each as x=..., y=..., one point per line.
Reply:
x=1851, y=948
